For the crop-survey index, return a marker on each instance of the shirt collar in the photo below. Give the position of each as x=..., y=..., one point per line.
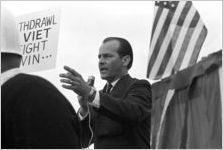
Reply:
x=5, y=76
x=114, y=82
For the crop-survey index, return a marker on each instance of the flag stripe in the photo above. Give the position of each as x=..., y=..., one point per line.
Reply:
x=187, y=40
x=192, y=45
x=167, y=39
x=198, y=46
x=161, y=38
x=168, y=97
x=169, y=52
x=221, y=81
x=174, y=39
x=155, y=12
x=183, y=49
x=158, y=12
x=157, y=32
x=173, y=58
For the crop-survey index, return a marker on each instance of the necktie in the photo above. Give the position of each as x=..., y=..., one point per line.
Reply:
x=108, y=87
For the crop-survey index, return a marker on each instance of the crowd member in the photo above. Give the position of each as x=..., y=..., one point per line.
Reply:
x=34, y=114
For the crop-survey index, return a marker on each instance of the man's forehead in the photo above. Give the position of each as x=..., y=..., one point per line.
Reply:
x=112, y=45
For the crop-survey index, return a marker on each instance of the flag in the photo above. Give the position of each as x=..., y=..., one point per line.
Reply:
x=178, y=34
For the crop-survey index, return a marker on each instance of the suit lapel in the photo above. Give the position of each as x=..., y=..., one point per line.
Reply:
x=121, y=86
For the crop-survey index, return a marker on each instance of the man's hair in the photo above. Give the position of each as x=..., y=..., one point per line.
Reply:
x=124, y=48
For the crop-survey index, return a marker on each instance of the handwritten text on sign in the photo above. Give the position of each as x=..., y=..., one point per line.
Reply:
x=39, y=40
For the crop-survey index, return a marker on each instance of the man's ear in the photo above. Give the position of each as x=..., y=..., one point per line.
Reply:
x=126, y=60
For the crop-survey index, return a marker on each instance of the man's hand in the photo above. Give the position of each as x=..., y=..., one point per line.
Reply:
x=74, y=81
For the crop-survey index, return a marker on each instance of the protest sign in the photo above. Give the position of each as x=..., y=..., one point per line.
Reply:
x=39, y=33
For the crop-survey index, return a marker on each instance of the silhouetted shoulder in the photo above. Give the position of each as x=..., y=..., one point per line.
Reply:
x=141, y=82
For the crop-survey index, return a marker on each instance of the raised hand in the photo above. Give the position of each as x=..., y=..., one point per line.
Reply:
x=72, y=80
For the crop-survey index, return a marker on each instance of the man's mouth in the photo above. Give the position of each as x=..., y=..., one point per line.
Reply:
x=103, y=69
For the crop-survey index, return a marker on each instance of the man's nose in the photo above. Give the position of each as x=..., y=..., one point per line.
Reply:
x=101, y=60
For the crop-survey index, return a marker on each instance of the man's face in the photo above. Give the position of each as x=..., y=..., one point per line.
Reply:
x=110, y=63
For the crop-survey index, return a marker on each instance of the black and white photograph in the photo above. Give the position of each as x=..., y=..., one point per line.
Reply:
x=111, y=74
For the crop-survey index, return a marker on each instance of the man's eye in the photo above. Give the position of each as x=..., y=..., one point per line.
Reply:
x=109, y=56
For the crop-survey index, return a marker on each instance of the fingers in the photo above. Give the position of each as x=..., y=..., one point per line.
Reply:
x=69, y=81
x=66, y=75
x=72, y=71
x=66, y=81
x=69, y=87
x=72, y=80
x=69, y=76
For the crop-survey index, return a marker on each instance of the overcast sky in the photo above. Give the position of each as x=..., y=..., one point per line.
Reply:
x=84, y=24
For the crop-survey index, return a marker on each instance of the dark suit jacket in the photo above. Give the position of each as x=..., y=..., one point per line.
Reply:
x=123, y=119
x=36, y=115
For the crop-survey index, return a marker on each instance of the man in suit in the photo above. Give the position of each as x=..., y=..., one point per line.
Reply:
x=120, y=113
x=34, y=114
